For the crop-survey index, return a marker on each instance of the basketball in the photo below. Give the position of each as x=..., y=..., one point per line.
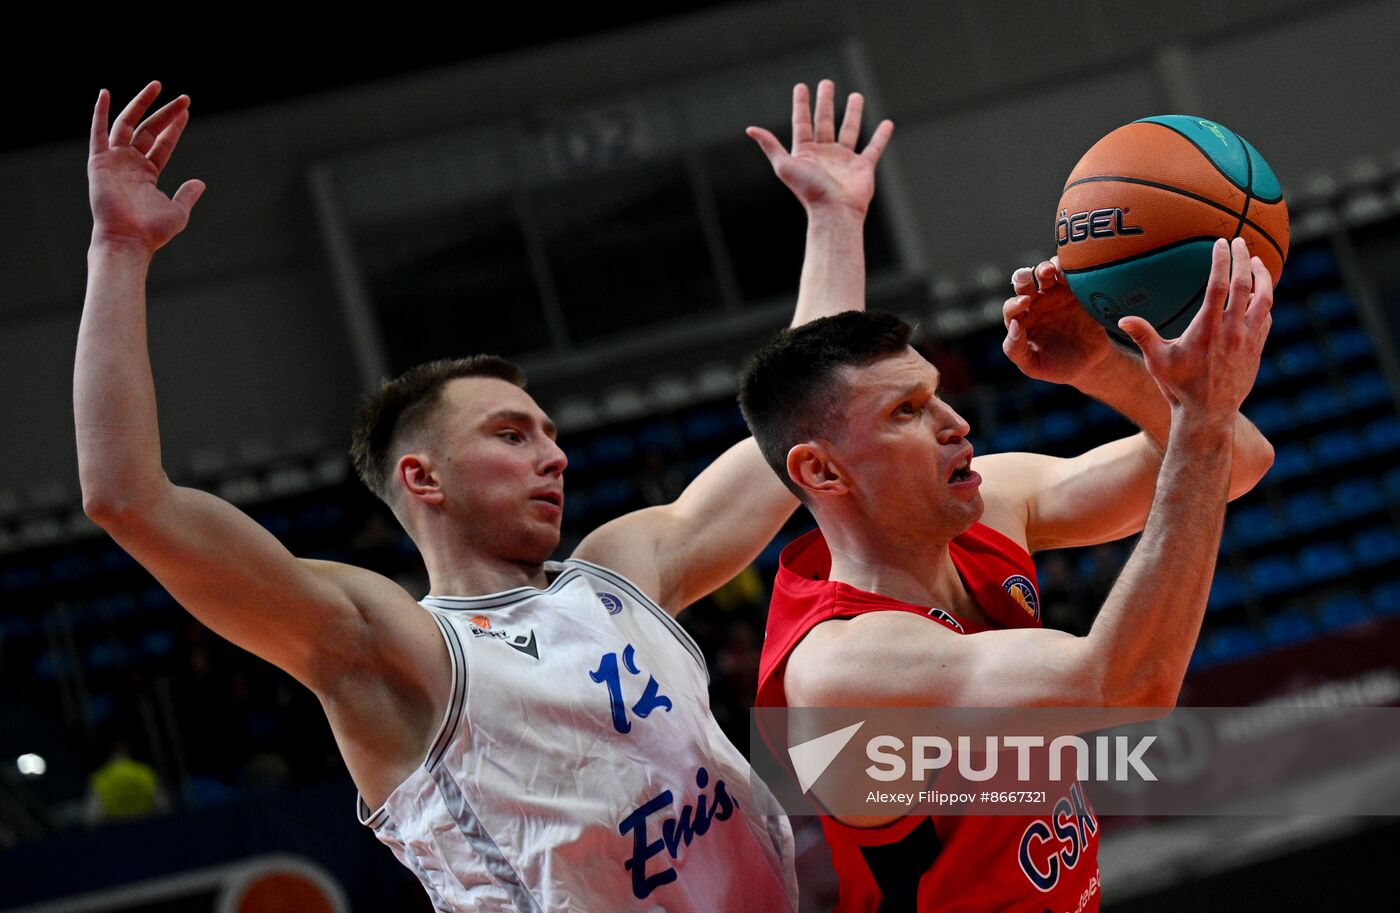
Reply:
x=1142, y=209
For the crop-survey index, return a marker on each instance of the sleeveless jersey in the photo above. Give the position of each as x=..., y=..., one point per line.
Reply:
x=945, y=863
x=579, y=767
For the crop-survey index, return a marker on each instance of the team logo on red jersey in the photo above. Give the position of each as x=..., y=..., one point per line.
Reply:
x=1023, y=591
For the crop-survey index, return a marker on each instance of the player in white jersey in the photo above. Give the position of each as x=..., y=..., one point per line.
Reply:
x=546, y=747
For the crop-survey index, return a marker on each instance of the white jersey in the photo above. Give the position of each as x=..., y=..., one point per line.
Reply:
x=579, y=768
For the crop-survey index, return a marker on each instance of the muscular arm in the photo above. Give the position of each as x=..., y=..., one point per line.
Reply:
x=1136, y=653
x=312, y=619
x=684, y=550
x=1105, y=493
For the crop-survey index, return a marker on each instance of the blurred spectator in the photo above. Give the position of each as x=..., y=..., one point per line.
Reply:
x=124, y=788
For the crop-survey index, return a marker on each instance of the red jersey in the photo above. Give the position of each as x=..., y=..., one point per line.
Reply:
x=945, y=863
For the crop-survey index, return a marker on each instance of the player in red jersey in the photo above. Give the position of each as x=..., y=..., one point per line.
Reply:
x=916, y=550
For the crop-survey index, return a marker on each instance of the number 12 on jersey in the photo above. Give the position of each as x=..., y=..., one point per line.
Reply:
x=608, y=674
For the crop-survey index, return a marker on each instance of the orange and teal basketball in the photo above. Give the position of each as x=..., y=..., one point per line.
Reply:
x=1142, y=209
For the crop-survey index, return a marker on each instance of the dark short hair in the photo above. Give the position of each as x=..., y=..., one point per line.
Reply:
x=793, y=390
x=402, y=406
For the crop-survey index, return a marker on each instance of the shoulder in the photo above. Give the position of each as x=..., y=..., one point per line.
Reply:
x=1010, y=482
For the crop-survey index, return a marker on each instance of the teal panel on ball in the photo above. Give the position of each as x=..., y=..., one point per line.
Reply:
x=1266, y=186
x=1219, y=143
x=1164, y=286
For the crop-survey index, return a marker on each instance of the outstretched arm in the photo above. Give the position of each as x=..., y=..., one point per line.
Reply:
x=682, y=551
x=834, y=183
x=1136, y=653
x=225, y=569
x=1105, y=493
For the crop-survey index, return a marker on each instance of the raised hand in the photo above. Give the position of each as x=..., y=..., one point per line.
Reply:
x=1049, y=335
x=124, y=164
x=1212, y=366
x=823, y=168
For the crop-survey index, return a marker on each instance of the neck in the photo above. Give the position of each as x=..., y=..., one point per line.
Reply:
x=458, y=567
x=916, y=570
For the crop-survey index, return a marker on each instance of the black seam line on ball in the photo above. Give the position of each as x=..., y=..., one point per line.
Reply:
x=1118, y=178
x=1203, y=151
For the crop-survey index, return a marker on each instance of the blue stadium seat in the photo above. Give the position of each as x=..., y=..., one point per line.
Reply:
x=1302, y=359
x=1269, y=374
x=1291, y=461
x=15, y=628
x=70, y=569
x=277, y=522
x=658, y=435
x=113, y=559
x=109, y=654
x=1288, y=628
x=1272, y=415
x=1307, y=511
x=1275, y=574
x=1337, y=448
x=1392, y=483
x=1318, y=404
x=115, y=606
x=1342, y=611
x=1385, y=598
x=1059, y=425
x=1382, y=435
x=1251, y=524
x=1315, y=261
x=1350, y=344
x=710, y=423
x=610, y=448
x=158, y=643
x=1323, y=561
x=1289, y=321
x=100, y=706
x=1235, y=642
x=1008, y=438
x=1096, y=413
x=1225, y=592
x=20, y=577
x=1331, y=304
x=156, y=598
x=612, y=494
x=1358, y=497
x=316, y=517
x=1368, y=390
x=1376, y=546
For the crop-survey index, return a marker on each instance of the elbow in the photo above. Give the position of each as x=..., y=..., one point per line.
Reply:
x=1147, y=695
x=105, y=508
x=1252, y=465
x=112, y=506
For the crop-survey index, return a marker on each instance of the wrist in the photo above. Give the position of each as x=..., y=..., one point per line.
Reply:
x=830, y=215
x=1116, y=371
x=109, y=245
x=1199, y=427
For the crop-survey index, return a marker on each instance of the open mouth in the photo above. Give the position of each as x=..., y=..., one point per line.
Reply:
x=963, y=471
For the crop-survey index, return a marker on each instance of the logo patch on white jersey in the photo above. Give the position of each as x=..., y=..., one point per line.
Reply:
x=611, y=603
x=524, y=643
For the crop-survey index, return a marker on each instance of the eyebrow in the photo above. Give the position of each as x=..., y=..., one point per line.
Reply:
x=523, y=418
x=919, y=387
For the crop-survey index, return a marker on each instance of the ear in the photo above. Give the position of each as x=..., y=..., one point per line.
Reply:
x=416, y=475
x=812, y=468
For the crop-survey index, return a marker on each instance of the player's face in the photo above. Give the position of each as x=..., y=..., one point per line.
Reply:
x=501, y=471
x=905, y=450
